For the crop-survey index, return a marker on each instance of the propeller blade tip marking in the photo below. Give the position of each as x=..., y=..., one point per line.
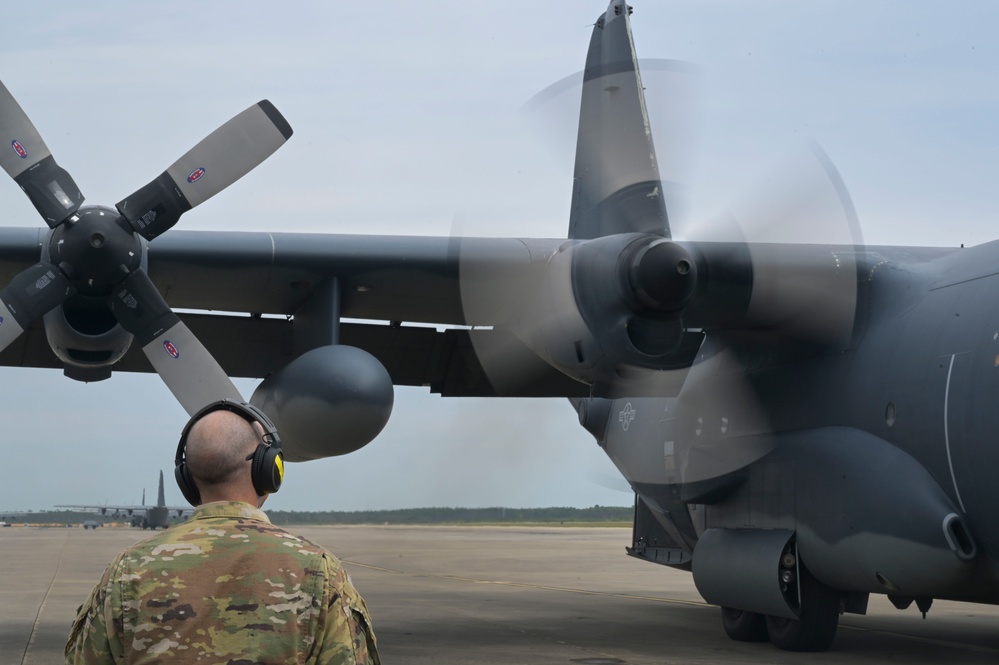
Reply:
x=275, y=116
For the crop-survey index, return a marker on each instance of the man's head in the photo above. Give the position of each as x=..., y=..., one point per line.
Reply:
x=228, y=451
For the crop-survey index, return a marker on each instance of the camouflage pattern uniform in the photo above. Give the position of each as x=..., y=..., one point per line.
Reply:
x=226, y=586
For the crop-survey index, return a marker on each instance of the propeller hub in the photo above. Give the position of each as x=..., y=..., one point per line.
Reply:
x=96, y=248
x=662, y=275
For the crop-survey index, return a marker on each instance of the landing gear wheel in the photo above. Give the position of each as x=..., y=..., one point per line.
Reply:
x=743, y=626
x=819, y=618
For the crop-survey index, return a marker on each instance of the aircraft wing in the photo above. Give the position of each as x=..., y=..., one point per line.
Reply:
x=401, y=299
x=106, y=509
x=111, y=509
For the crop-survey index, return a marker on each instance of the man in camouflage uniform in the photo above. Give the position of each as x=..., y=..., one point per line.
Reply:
x=226, y=586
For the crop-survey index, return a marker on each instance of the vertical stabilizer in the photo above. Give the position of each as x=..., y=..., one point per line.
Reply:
x=160, y=497
x=616, y=183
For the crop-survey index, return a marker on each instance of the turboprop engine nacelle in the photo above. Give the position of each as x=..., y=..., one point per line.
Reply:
x=607, y=312
x=616, y=312
x=329, y=401
x=93, y=246
x=85, y=337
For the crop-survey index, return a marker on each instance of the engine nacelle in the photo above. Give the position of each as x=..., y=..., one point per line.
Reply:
x=83, y=332
x=329, y=401
x=85, y=336
x=618, y=312
x=607, y=312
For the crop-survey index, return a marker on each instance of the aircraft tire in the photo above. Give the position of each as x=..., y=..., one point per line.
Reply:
x=816, y=628
x=743, y=626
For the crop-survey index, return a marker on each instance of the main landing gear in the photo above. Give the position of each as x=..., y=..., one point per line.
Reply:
x=813, y=631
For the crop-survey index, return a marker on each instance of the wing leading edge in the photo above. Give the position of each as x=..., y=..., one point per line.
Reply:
x=248, y=297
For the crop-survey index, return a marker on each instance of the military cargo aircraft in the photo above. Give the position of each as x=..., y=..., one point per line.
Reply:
x=146, y=517
x=10, y=516
x=803, y=424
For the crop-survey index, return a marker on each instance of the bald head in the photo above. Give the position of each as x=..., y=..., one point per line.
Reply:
x=217, y=447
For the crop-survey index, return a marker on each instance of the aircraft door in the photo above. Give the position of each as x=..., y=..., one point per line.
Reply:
x=669, y=429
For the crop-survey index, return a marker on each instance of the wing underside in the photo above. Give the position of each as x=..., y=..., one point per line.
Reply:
x=399, y=299
x=252, y=298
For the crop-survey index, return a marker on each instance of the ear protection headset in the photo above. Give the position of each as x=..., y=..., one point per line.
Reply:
x=267, y=461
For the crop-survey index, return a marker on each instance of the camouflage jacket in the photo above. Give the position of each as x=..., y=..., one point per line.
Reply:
x=226, y=586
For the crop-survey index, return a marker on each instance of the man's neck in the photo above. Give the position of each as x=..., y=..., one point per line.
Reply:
x=241, y=496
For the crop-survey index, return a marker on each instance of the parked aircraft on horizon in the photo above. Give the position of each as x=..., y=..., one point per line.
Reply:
x=147, y=517
x=10, y=516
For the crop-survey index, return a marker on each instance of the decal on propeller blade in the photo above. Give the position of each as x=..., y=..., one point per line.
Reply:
x=18, y=148
x=44, y=280
x=196, y=174
x=171, y=349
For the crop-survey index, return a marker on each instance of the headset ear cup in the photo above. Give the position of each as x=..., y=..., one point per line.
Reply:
x=186, y=484
x=267, y=469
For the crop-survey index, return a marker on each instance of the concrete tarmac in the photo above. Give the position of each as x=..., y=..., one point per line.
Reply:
x=448, y=595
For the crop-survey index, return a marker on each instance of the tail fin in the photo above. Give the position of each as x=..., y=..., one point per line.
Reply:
x=616, y=184
x=161, y=498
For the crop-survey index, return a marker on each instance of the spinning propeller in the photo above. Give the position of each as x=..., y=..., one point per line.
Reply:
x=632, y=312
x=94, y=256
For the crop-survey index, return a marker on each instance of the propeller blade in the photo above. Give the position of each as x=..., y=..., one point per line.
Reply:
x=220, y=159
x=801, y=239
x=31, y=293
x=28, y=161
x=187, y=368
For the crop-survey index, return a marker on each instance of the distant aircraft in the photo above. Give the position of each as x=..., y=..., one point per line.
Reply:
x=147, y=517
x=6, y=518
x=803, y=423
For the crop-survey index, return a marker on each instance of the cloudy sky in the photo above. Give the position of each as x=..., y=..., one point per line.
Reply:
x=409, y=118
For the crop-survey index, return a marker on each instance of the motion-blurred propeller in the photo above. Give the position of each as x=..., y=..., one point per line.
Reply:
x=631, y=311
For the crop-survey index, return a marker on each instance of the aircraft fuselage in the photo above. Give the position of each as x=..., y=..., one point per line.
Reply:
x=877, y=456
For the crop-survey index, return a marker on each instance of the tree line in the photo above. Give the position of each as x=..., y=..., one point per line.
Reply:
x=498, y=515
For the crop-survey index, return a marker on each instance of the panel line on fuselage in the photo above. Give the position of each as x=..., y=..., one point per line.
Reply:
x=950, y=462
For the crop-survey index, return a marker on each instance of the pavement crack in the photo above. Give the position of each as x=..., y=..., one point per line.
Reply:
x=41, y=605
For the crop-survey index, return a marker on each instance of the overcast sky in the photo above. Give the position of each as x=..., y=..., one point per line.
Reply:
x=408, y=120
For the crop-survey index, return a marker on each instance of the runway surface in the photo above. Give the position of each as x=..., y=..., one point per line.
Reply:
x=506, y=595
